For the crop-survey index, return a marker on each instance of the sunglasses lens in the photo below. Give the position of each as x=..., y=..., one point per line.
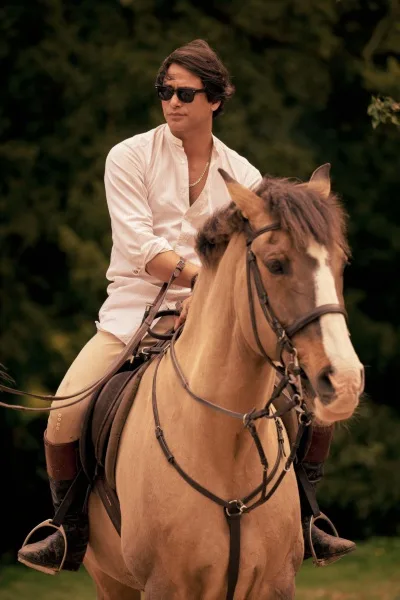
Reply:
x=165, y=92
x=185, y=95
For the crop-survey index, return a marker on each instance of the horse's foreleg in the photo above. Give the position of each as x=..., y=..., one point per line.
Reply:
x=108, y=588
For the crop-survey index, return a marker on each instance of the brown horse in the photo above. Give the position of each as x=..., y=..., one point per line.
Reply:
x=174, y=541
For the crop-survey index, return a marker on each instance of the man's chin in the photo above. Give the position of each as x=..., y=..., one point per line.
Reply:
x=177, y=129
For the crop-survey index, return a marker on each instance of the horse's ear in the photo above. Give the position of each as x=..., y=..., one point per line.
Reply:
x=249, y=204
x=320, y=180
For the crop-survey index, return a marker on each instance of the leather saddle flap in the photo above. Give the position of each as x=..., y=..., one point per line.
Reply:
x=98, y=420
x=128, y=396
x=101, y=433
x=104, y=411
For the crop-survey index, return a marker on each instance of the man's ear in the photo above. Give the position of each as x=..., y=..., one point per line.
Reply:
x=249, y=204
x=320, y=180
x=215, y=105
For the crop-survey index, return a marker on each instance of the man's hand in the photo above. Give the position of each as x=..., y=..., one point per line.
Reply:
x=185, y=305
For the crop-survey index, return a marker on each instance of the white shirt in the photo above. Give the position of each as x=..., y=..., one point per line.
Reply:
x=147, y=189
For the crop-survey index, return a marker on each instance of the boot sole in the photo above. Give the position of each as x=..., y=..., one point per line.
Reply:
x=47, y=570
x=329, y=560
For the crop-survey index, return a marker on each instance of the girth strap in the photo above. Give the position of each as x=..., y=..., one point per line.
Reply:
x=234, y=520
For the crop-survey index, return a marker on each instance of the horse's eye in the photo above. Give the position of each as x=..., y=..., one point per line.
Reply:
x=275, y=266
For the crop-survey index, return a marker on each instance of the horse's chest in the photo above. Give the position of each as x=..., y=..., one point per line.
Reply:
x=174, y=535
x=184, y=538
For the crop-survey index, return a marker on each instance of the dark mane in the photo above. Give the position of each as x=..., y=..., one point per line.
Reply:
x=300, y=210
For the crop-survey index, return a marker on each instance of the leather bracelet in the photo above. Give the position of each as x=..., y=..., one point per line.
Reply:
x=179, y=267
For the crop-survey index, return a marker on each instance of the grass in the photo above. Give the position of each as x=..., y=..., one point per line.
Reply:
x=19, y=583
x=371, y=573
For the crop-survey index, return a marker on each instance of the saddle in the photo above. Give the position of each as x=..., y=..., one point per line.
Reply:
x=103, y=425
x=109, y=408
x=101, y=433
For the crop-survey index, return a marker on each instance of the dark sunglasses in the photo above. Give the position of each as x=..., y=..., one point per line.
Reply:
x=185, y=94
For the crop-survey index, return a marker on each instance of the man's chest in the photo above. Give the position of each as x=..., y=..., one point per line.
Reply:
x=171, y=198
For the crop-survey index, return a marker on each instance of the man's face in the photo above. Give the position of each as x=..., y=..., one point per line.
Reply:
x=182, y=117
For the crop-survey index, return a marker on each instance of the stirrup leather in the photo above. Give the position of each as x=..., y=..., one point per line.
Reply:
x=319, y=562
x=49, y=523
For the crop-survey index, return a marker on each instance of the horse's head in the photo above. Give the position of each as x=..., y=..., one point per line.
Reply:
x=301, y=264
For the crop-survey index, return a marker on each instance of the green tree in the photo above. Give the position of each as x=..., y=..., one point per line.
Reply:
x=79, y=78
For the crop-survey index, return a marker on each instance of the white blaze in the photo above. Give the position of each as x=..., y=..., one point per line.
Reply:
x=335, y=335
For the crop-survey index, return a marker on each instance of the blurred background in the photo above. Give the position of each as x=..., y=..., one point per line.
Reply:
x=316, y=81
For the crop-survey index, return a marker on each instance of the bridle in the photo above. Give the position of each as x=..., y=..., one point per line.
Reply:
x=284, y=335
x=290, y=377
x=289, y=373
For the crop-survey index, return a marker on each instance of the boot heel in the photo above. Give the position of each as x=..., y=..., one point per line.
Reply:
x=65, y=548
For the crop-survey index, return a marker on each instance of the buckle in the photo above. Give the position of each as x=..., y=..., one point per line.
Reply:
x=240, y=508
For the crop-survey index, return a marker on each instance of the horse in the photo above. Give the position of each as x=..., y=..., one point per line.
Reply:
x=174, y=542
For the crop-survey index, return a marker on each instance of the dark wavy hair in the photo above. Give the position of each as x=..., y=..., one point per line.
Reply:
x=201, y=60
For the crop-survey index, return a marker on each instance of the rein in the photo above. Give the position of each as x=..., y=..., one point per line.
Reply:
x=233, y=509
x=152, y=312
x=290, y=378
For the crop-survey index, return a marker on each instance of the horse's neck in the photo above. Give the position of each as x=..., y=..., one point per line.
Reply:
x=213, y=354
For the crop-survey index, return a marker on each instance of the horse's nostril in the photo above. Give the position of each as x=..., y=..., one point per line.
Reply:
x=325, y=389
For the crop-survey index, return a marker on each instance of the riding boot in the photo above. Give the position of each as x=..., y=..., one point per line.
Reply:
x=47, y=555
x=328, y=548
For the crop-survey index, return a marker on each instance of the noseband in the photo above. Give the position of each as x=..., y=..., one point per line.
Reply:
x=283, y=334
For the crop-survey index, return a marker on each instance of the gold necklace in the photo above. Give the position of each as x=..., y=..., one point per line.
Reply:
x=201, y=176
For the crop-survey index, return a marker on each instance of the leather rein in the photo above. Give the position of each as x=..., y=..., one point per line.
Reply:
x=289, y=375
x=289, y=378
x=152, y=312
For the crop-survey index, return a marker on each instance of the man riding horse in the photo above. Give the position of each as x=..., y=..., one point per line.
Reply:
x=161, y=186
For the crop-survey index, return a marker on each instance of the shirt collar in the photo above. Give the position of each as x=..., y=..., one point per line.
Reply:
x=171, y=138
x=177, y=142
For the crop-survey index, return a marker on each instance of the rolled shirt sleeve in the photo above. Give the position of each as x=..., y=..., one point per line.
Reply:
x=127, y=200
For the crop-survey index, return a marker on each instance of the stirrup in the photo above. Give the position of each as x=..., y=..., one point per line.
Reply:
x=319, y=562
x=49, y=570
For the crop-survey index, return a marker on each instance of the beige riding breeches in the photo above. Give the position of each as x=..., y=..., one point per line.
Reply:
x=64, y=425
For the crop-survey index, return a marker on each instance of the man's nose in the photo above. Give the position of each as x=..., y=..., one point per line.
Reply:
x=175, y=101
